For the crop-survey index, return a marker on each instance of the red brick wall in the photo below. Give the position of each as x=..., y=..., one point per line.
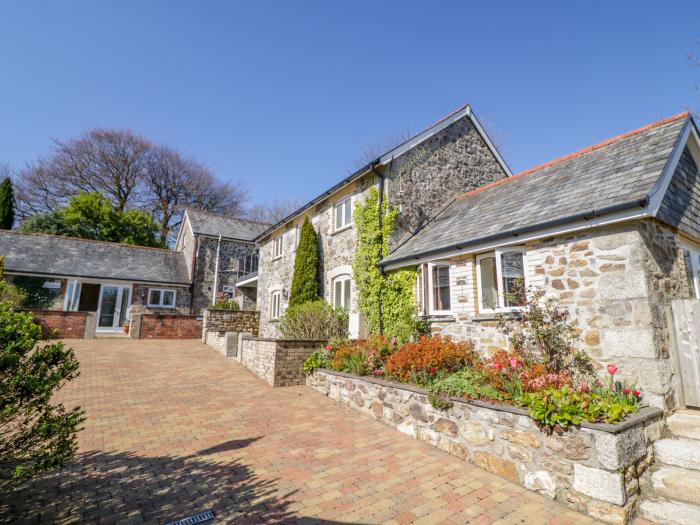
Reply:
x=161, y=326
x=55, y=323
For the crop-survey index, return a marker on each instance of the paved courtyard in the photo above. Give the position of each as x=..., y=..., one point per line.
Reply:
x=173, y=428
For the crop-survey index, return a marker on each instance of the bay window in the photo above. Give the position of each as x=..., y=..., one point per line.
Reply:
x=500, y=275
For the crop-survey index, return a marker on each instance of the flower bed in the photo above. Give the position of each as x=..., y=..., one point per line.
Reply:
x=593, y=468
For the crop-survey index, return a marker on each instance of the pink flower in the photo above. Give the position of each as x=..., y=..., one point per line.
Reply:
x=598, y=382
x=328, y=348
x=393, y=340
x=513, y=362
x=583, y=386
x=498, y=366
x=636, y=393
x=612, y=370
x=626, y=391
x=377, y=372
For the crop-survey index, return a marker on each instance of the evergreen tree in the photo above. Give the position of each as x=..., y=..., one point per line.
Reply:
x=305, y=280
x=7, y=204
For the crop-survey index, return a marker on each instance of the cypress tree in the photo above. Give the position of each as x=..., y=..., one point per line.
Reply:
x=305, y=280
x=7, y=204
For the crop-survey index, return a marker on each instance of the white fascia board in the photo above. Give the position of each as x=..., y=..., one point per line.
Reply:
x=658, y=192
x=182, y=227
x=576, y=226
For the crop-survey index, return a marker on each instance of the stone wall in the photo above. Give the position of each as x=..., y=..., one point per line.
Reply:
x=59, y=324
x=221, y=328
x=593, y=469
x=278, y=362
x=229, y=255
x=163, y=326
x=139, y=299
x=616, y=283
x=420, y=182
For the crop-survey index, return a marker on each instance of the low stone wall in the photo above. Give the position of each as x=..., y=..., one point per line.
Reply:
x=277, y=361
x=170, y=326
x=220, y=328
x=593, y=469
x=60, y=324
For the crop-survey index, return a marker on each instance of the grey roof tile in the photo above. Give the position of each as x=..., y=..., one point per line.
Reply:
x=69, y=256
x=616, y=172
x=206, y=223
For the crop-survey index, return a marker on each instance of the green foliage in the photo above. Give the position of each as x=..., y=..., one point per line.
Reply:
x=32, y=288
x=305, y=279
x=225, y=304
x=7, y=204
x=394, y=289
x=93, y=216
x=544, y=328
x=35, y=434
x=318, y=359
x=352, y=359
x=314, y=321
x=9, y=292
x=468, y=383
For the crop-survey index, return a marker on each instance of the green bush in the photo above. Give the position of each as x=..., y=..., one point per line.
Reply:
x=226, y=304
x=314, y=321
x=318, y=359
x=468, y=383
x=305, y=279
x=35, y=434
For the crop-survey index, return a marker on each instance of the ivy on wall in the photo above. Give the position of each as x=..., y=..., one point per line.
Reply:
x=395, y=289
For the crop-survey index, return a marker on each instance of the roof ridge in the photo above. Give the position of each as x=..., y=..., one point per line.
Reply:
x=66, y=237
x=252, y=221
x=576, y=153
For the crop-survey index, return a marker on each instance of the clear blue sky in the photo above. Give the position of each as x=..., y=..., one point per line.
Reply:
x=284, y=95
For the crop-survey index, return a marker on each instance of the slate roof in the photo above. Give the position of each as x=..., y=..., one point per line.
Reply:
x=617, y=173
x=33, y=253
x=205, y=223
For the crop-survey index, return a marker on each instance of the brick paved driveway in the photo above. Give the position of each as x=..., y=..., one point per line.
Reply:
x=174, y=428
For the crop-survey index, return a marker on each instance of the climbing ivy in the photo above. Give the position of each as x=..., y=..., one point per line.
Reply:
x=394, y=289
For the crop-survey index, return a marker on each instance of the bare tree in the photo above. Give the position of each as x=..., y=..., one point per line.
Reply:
x=273, y=210
x=371, y=152
x=130, y=171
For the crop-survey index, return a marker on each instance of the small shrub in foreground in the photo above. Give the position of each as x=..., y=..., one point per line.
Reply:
x=468, y=383
x=428, y=353
x=318, y=359
x=314, y=321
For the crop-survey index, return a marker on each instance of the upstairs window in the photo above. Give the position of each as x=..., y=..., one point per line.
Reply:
x=439, y=288
x=341, y=292
x=499, y=275
x=691, y=258
x=161, y=298
x=277, y=247
x=343, y=214
x=275, y=305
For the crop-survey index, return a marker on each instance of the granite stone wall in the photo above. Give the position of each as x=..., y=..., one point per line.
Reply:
x=616, y=283
x=139, y=299
x=594, y=469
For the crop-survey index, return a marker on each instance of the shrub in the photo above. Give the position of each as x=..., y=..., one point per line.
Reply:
x=318, y=359
x=315, y=321
x=469, y=383
x=428, y=356
x=305, y=279
x=35, y=434
x=351, y=358
x=226, y=304
x=9, y=292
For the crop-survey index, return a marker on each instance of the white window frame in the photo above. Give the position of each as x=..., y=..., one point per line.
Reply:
x=347, y=201
x=297, y=236
x=277, y=246
x=341, y=278
x=498, y=252
x=275, y=305
x=431, y=289
x=694, y=267
x=160, y=304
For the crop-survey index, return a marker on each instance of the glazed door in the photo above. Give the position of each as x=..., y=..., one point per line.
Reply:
x=114, y=308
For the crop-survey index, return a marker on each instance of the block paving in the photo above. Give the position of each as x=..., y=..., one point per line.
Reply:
x=174, y=428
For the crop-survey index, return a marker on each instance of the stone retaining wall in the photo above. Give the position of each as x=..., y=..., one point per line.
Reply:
x=279, y=362
x=593, y=469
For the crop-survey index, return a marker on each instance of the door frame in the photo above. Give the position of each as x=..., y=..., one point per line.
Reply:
x=117, y=308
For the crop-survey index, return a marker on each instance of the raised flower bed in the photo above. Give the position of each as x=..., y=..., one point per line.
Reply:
x=594, y=467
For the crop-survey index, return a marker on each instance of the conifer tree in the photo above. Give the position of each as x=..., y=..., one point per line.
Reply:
x=305, y=280
x=7, y=204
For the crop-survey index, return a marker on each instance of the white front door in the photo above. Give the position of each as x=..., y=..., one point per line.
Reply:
x=113, y=309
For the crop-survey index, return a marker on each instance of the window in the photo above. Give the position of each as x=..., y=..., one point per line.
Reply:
x=161, y=298
x=277, y=247
x=275, y=305
x=297, y=236
x=341, y=292
x=343, y=214
x=691, y=259
x=498, y=276
x=438, y=288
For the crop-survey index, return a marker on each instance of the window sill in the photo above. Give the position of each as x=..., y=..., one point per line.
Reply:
x=442, y=318
x=276, y=258
x=344, y=228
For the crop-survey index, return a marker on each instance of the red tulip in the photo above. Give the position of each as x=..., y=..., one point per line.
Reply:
x=612, y=370
x=432, y=370
x=626, y=391
x=636, y=393
x=498, y=366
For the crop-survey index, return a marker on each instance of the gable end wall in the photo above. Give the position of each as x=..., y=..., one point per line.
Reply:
x=681, y=204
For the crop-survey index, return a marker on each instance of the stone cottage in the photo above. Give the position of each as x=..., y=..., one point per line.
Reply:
x=419, y=176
